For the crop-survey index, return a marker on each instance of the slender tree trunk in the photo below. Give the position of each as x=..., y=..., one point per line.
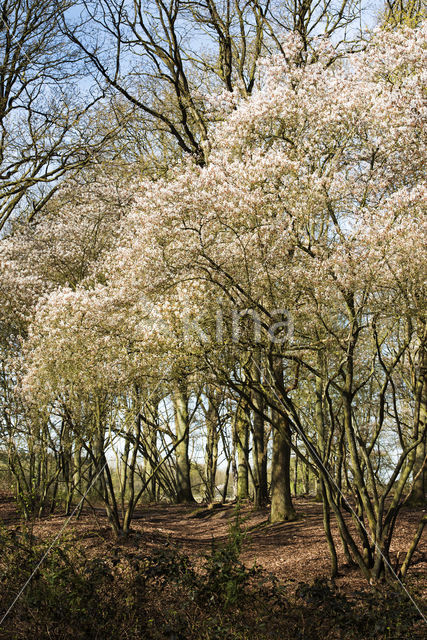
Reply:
x=419, y=489
x=282, y=508
x=320, y=422
x=306, y=478
x=412, y=547
x=131, y=462
x=327, y=528
x=182, y=434
x=296, y=472
x=259, y=448
x=66, y=459
x=124, y=473
x=150, y=452
x=226, y=481
x=241, y=445
x=150, y=461
x=211, y=452
x=78, y=475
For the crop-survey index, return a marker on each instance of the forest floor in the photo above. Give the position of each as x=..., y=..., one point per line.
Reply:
x=294, y=552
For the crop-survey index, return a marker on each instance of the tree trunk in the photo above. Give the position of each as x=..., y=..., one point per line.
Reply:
x=211, y=452
x=241, y=445
x=418, y=493
x=260, y=445
x=182, y=434
x=282, y=508
x=131, y=465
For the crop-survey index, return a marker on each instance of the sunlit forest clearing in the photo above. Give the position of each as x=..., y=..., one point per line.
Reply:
x=213, y=332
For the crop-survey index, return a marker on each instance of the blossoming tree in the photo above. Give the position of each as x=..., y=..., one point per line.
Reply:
x=310, y=207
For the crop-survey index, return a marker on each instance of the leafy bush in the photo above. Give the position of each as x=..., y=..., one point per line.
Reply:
x=69, y=595
x=225, y=577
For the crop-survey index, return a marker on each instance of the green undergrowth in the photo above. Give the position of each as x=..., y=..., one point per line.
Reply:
x=130, y=593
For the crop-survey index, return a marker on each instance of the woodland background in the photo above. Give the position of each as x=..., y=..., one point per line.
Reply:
x=212, y=279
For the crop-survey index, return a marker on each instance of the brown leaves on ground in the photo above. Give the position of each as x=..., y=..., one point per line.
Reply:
x=291, y=551
x=294, y=555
